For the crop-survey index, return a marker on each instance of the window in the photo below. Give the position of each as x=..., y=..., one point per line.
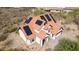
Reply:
x=43, y=18
x=27, y=30
x=48, y=18
x=28, y=20
x=52, y=18
x=39, y=22
x=32, y=40
x=43, y=42
x=19, y=28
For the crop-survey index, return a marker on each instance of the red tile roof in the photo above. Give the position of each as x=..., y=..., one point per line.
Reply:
x=33, y=26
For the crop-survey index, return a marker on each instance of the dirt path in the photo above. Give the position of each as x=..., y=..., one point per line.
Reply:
x=16, y=41
x=50, y=45
x=70, y=31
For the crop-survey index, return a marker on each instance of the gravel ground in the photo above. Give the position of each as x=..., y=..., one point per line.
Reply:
x=18, y=43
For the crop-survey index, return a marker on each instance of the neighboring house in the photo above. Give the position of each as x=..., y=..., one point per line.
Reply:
x=52, y=9
x=37, y=29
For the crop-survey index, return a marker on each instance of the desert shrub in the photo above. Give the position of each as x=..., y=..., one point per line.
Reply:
x=74, y=16
x=78, y=28
x=3, y=37
x=1, y=47
x=49, y=49
x=67, y=45
x=17, y=31
x=10, y=49
x=7, y=49
x=76, y=20
x=68, y=28
x=69, y=16
x=38, y=12
x=19, y=49
x=14, y=49
x=11, y=29
x=77, y=36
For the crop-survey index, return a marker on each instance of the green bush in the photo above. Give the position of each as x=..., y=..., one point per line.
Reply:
x=67, y=45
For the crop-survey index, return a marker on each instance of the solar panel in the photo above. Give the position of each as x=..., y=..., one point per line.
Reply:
x=48, y=18
x=39, y=22
x=28, y=20
x=43, y=18
x=52, y=18
x=27, y=30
